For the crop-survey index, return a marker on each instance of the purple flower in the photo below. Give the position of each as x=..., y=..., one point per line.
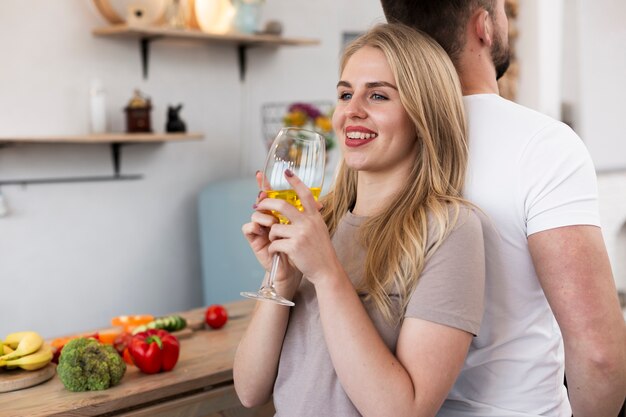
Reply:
x=306, y=108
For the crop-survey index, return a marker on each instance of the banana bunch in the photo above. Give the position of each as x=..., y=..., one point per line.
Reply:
x=25, y=350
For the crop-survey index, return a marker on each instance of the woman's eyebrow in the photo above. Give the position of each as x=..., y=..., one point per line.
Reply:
x=373, y=84
x=380, y=84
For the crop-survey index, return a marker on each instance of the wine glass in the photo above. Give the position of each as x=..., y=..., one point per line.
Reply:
x=304, y=153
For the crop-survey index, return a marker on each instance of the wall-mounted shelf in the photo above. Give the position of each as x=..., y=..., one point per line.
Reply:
x=104, y=138
x=114, y=140
x=241, y=40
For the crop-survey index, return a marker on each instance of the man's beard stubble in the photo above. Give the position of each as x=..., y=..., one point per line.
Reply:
x=501, y=56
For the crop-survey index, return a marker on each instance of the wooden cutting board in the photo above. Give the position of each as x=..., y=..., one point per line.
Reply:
x=16, y=379
x=183, y=334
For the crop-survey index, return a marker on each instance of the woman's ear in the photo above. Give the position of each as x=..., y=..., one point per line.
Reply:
x=484, y=27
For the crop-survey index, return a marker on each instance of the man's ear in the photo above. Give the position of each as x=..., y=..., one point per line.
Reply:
x=483, y=25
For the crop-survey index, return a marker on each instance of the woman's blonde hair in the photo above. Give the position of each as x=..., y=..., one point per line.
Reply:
x=396, y=239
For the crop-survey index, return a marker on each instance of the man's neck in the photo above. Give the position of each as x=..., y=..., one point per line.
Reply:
x=475, y=68
x=477, y=79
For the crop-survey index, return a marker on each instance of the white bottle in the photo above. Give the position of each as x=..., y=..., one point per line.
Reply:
x=4, y=209
x=98, y=107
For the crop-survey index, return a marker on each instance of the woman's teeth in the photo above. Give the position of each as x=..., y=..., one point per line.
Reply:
x=360, y=135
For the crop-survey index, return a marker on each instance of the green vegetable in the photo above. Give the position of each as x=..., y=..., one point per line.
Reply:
x=169, y=323
x=87, y=365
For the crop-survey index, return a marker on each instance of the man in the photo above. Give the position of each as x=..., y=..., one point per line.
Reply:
x=536, y=183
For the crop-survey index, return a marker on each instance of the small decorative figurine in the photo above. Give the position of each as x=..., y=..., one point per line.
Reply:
x=138, y=114
x=174, y=122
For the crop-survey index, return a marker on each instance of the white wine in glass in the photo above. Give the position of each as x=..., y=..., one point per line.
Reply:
x=304, y=153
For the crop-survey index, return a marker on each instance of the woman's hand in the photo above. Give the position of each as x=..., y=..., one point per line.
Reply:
x=256, y=233
x=305, y=240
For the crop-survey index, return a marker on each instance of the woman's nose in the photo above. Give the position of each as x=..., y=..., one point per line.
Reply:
x=355, y=109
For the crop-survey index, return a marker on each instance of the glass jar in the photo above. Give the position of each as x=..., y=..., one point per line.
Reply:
x=247, y=15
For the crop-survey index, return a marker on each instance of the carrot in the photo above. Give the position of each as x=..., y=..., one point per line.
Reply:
x=108, y=336
x=130, y=322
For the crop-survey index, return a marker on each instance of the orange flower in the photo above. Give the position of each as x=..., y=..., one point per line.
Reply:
x=295, y=118
x=324, y=124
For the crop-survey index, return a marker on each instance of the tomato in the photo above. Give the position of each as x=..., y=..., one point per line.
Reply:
x=216, y=316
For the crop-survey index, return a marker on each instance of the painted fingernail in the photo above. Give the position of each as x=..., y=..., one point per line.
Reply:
x=254, y=206
x=257, y=172
x=288, y=173
x=259, y=194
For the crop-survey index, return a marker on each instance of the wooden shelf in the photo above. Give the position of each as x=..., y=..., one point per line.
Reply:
x=115, y=142
x=105, y=138
x=242, y=41
x=126, y=31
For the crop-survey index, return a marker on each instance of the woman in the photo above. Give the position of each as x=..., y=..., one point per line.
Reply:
x=388, y=277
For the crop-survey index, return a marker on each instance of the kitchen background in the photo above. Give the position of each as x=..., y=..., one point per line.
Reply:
x=74, y=255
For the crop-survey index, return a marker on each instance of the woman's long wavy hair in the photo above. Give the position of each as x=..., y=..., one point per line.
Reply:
x=396, y=238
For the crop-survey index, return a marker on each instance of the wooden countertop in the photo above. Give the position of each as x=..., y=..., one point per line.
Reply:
x=205, y=364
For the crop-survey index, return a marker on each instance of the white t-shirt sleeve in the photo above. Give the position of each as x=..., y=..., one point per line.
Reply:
x=557, y=181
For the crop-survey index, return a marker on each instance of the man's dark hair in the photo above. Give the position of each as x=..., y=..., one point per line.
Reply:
x=443, y=20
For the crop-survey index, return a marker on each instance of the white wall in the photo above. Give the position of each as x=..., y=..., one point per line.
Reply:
x=539, y=52
x=572, y=51
x=602, y=35
x=74, y=255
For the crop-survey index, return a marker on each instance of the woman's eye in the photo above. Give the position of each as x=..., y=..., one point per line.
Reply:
x=345, y=96
x=377, y=96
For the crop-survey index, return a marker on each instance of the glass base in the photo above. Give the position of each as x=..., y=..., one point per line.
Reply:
x=268, y=294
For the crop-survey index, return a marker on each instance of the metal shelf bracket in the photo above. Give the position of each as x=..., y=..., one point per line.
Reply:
x=117, y=176
x=144, y=47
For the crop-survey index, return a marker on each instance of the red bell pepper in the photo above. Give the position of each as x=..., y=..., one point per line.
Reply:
x=154, y=350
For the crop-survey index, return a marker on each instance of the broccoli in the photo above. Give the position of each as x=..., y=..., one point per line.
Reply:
x=87, y=365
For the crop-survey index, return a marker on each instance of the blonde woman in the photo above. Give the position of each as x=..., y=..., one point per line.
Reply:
x=388, y=277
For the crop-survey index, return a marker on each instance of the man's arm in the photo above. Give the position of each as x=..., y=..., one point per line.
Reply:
x=575, y=273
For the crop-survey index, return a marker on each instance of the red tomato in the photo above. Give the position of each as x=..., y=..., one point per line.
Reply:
x=216, y=316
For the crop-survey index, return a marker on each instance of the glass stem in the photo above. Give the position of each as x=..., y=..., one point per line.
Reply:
x=270, y=280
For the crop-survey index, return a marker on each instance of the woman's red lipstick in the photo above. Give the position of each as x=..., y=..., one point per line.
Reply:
x=357, y=136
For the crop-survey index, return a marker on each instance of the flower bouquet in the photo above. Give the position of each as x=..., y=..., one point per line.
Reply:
x=308, y=116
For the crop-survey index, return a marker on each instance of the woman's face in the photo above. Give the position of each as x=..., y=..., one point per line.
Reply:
x=372, y=127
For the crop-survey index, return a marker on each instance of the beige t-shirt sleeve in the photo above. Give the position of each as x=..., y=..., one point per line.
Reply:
x=451, y=288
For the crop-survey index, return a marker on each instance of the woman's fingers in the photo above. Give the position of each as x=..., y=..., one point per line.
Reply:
x=306, y=197
x=250, y=229
x=280, y=231
x=262, y=182
x=265, y=219
x=253, y=231
x=277, y=205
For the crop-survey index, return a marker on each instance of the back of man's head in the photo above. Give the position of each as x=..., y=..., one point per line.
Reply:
x=444, y=20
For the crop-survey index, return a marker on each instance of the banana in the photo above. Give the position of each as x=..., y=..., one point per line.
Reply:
x=7, y=350
x=32, y=362
x=24, y=344
x=14, y=339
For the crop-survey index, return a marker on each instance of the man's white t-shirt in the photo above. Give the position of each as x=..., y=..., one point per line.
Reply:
x=528, y=173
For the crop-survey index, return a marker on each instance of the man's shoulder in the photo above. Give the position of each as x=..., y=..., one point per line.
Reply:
x=502, y=106
x=499, y=113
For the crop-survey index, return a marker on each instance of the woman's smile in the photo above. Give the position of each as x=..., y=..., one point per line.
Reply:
x=359, y=136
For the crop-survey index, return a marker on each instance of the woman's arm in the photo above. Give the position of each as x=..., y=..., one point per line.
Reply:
x=414, y=381
x=258, y=353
